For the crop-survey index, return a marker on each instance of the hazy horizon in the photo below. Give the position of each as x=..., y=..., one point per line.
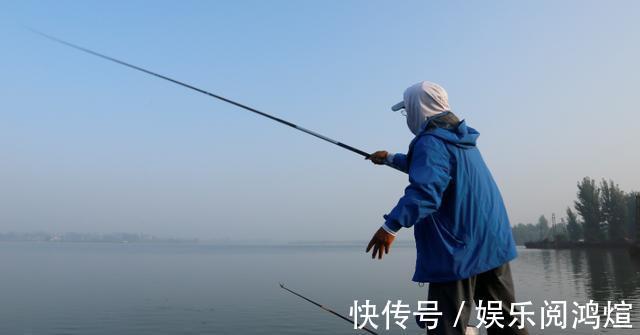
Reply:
x=90, y=146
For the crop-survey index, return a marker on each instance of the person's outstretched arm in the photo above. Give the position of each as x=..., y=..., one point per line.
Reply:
x=396, y=160
x=429, y=176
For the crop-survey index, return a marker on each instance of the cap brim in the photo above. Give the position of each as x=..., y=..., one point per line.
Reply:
x=398, y=106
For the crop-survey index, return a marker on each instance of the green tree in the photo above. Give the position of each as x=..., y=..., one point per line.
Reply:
x=543, y=227
x=632, y=229
x=523, y=233
x=613, y=210
x=588, y=206
x=560, y=231
x=574, y=229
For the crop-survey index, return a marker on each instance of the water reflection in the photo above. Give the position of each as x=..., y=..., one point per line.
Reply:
x=613, y=275
x=580, y=275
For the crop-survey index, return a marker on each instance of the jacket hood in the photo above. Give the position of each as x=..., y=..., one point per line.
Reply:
x=459, y=135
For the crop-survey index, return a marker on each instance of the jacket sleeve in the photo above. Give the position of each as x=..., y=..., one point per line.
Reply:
x=398, y=161
x=429, y=176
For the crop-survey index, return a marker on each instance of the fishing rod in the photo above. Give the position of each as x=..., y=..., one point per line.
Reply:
x=219, y=97
x=326, y=309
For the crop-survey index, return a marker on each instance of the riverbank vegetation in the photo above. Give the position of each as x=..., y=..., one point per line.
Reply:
x=601, y=212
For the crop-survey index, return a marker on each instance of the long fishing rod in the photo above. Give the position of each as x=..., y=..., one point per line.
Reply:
x=325, y=308
x=219, y=97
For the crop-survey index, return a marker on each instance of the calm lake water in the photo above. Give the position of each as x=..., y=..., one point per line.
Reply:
x=67, y=288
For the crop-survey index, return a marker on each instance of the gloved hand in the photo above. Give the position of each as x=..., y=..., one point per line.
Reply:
x=378, y=157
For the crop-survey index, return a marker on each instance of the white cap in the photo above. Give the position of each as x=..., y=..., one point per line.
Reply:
x=422, y=101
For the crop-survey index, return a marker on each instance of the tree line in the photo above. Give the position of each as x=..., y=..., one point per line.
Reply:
x=601, y=212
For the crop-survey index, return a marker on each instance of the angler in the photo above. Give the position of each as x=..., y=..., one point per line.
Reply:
x=463, y=236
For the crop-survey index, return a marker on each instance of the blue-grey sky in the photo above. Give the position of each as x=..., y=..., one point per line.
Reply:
x=90, y=146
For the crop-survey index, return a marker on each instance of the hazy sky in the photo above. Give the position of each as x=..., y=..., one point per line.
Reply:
x=89, y=146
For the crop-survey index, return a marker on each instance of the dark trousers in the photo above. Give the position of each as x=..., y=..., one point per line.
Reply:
x=493, y=285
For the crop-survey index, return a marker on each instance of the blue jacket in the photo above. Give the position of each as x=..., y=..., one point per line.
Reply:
x=460, y=222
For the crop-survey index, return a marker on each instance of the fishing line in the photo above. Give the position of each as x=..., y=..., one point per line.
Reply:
x=213, y=95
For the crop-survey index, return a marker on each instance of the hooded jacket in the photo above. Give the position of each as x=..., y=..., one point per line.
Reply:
x=461, y=226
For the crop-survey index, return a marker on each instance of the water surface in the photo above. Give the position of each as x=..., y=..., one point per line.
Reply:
x=78, y=288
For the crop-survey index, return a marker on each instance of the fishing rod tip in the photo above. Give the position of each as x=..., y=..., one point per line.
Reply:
x=31, y=29
x=40, y=33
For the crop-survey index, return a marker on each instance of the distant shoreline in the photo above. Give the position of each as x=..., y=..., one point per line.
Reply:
x=210, y=243
x=132, y=238
x=74, y=237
